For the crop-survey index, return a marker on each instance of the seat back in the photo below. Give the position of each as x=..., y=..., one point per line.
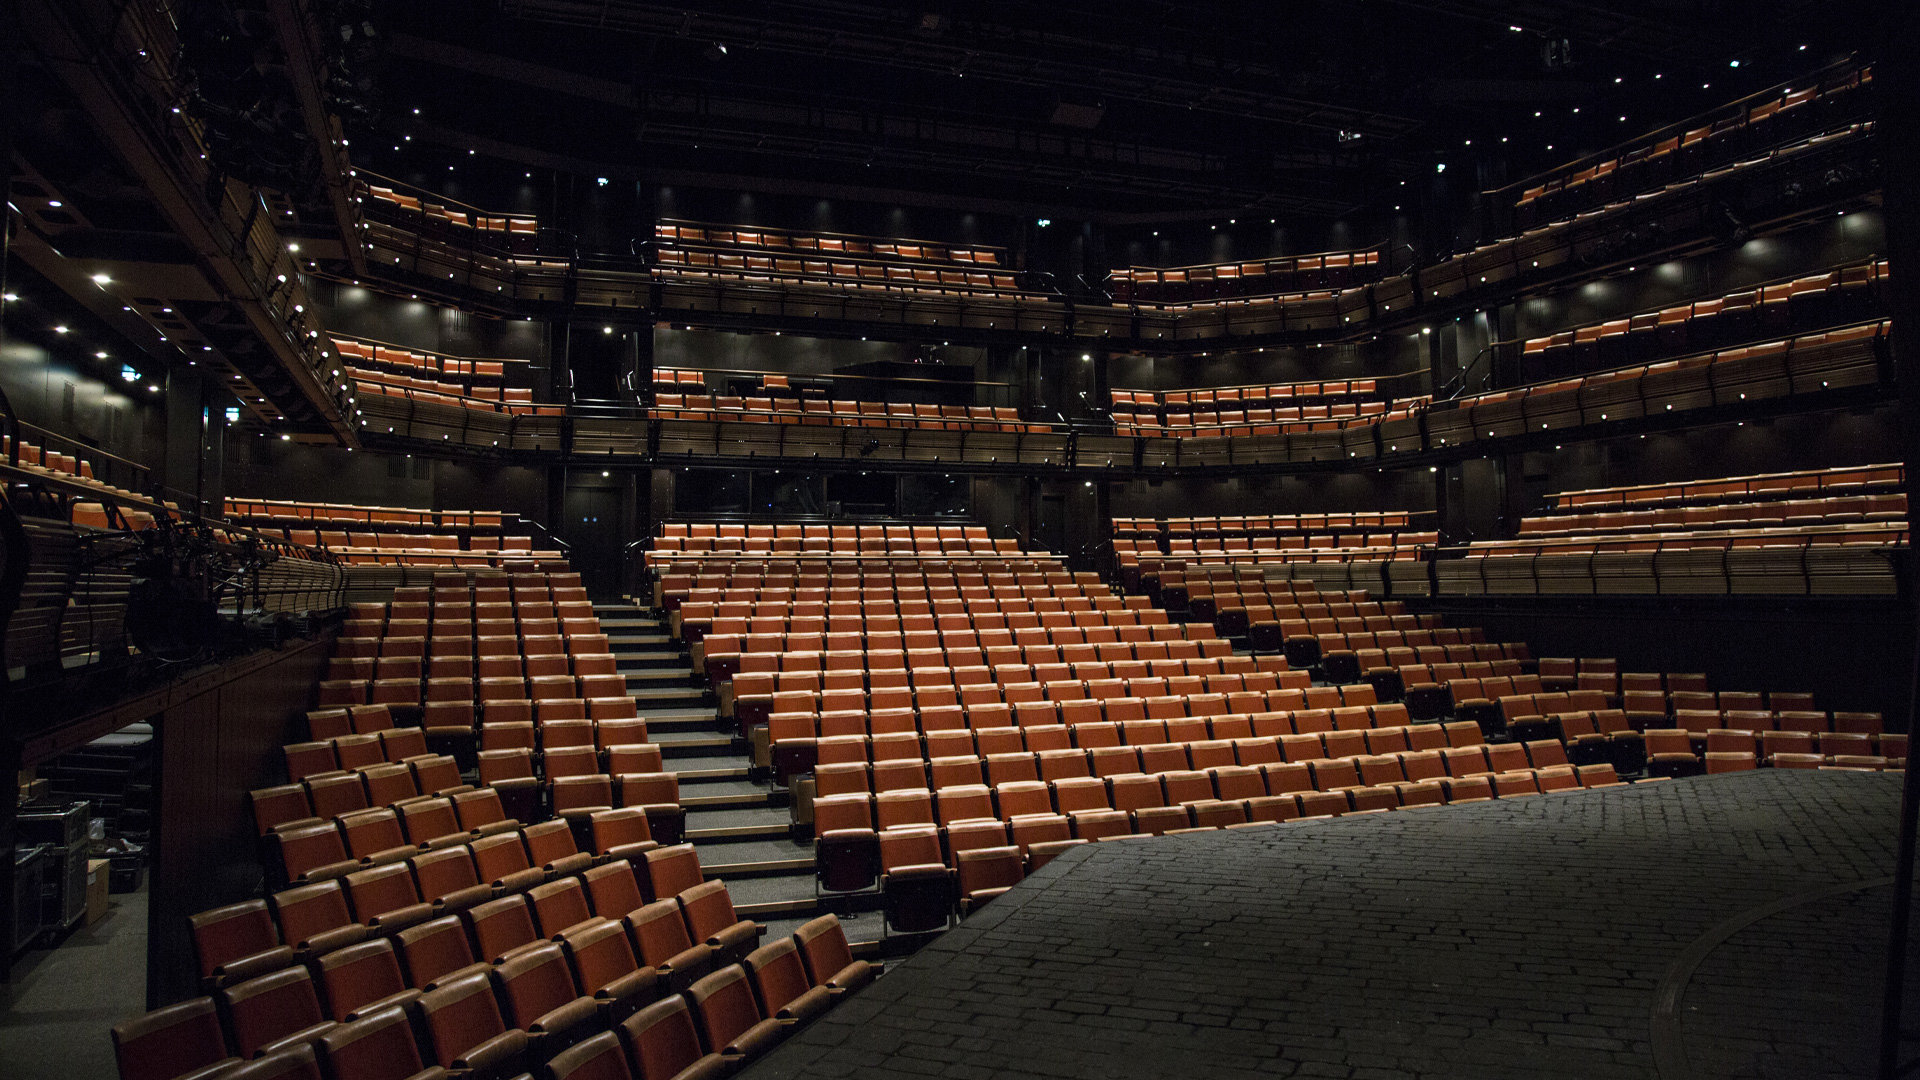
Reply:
x=433, y=949
x=234, y=932
x=459, y=1015
x=598, y=1058
x=661, y=1039
x=533, y=983
x=777, y=974
x=723, y=1005
x=374, y=1047
x=170, y=1041
x=359, y=975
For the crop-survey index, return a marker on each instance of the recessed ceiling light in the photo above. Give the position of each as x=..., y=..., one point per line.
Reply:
x=59, y=329
x=102, y=279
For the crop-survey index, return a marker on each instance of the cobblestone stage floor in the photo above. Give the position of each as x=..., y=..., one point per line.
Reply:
x=1727, y=926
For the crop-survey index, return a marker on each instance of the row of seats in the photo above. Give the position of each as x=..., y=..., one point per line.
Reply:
x=1026, y=704
x=1264, y=524
x=909, y=606
x=668, y=549
x=749, y=697
x=838, y=535
x=690, y=263
x=1297, y=547
x=1675, y=754
x=516, y=227
x=1499, y=259
x=1837, y=297
x=1867, y=533
x=901, y=761
x=695, y=232
x=453, y=657
x=1750, y=126
x=600, y=678
x=839, y=805
x=1805, y=364
x=72, y=468
x=1168, y=402
x=424, y=545
x=513, y=401
x=1294, y=273
x=318, y=849
x=923, y=869
x=1831, y=483
x=268, y=512
x=812, y=572
x=371, y=352
x=1225, y=423
x=588, y=968
x=1844, y=509
x=516, y=872
x=355, y=996
x=888, y=621
x=839, y=413
x=477, y=391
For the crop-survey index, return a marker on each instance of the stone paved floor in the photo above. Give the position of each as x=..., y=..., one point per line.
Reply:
x=1520, y=938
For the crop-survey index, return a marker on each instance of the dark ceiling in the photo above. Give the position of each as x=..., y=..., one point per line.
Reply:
x=1123, y=109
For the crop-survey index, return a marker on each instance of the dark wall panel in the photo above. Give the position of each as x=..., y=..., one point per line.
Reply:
x=215, y=746
x=415, y=324
x=1851, y=653
x=1361, y=361
x=1314, y=493
x=269, y=469
x=85, y=400
x=1809, y=441
x=1851, y=238
x=809, y=214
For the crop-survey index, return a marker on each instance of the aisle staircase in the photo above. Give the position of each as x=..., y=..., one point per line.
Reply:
x=741, y=830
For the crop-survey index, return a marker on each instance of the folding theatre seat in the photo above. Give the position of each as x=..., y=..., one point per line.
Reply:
x=662, y=1041
x=464, y=1030
x=781, y=985
x=362, y=979
x=273, y=1012
x=237, y=942
x=608, y=969
x=822, y=943
x=598, y=1058
x=659, y=936
x=537, y=989
x=177, y=1042
x=379, y=1044
x=710, y=917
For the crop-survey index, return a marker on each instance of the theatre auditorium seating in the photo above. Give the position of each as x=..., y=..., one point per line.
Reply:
x=392, y=536
x=1807, y=363
x=390, y=370
x=1274, y=409
x=1848, y=294
x=699, y=251
x=1755, y=124
x=694, y=542
x=72, y=468
x=516, y=229
x=578, y=999
x=1814, y=531
x=1173, y=286
x=415, y=925
x=1226, y=541
x=691, y=402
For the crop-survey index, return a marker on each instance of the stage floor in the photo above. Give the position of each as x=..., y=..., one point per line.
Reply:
x=1726, y=926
